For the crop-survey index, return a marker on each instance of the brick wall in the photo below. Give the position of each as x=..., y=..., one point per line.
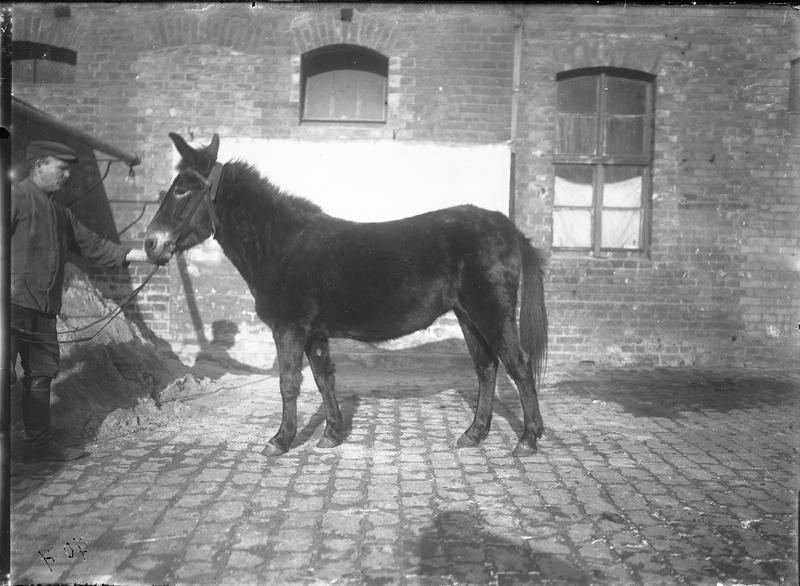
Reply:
x=719, y=282
x=720, y=175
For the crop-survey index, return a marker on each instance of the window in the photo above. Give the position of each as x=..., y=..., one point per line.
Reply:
x=344, y=83
x=603, y=160
x=41, y=63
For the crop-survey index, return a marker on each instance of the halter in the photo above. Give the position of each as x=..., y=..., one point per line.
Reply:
x=209, y=195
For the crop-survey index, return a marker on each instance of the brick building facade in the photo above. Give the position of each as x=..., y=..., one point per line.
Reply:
x=713, y=278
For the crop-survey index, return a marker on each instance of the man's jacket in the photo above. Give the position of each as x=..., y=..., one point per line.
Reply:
x=42, y=234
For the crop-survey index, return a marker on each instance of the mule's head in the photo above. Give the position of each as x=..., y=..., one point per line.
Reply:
x=185, y=217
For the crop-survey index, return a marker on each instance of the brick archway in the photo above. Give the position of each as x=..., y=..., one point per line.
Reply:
x=311, y=32
x=609, y=52
x=186, y=28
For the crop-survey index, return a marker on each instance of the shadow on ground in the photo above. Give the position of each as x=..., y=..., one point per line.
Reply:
x=103, y=390
x=458, y=548
x=670, y=393
x=348, y=405
x=216, y=355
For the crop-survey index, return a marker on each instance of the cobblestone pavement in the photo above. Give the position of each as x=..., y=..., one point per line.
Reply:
x=665, y=476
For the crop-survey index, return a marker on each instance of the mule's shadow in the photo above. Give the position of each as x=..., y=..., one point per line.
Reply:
x=672, y=393
x=459, y=548
x=506, y=401
x=348, y=405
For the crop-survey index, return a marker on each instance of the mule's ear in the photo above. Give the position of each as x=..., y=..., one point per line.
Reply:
x=187, y=152
x=213, y=148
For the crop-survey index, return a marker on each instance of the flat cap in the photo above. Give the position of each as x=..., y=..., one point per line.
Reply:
x=47, y=148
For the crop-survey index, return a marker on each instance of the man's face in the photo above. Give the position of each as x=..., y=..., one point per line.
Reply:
x=51, y=174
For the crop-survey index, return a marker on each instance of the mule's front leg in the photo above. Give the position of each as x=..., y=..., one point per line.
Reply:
x=319, y=358
x=290, y=362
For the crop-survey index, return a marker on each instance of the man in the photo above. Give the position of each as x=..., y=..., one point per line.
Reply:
x=42, y=233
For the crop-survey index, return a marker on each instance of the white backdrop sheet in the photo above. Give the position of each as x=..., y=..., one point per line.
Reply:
x=380, y=180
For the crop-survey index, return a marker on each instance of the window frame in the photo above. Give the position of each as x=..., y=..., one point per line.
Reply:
x=600, y=162
x=329, y=58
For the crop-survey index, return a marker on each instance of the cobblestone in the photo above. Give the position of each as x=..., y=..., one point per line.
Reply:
x=668, y=476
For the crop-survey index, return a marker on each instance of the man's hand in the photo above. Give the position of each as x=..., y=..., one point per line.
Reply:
x=137, y=255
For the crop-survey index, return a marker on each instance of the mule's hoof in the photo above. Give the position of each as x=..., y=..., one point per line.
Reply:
x=467, y=442
x=328, y=442
x=273, y=450
x=523, y=449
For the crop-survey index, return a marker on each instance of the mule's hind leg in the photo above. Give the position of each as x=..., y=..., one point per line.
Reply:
x=486, y=368
x=518, y=365
x=319, y=358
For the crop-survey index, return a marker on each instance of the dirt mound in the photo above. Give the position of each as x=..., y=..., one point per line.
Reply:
x=114, y=382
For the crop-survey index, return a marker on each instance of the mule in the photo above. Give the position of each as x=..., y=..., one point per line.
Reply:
x=316, y=277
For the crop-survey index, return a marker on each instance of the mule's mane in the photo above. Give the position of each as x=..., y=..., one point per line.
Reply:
x=242, y=180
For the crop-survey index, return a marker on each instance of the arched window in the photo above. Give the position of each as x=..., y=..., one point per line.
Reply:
x=603, y=159
x=42, y=63
x=344, y=83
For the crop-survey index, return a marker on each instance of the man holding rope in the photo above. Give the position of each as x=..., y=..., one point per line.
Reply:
x=42, y=233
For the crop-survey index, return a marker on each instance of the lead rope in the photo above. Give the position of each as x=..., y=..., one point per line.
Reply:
x=211, y=186
x=29, y=336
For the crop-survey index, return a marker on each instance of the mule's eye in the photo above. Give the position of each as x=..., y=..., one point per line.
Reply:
x=181, y=192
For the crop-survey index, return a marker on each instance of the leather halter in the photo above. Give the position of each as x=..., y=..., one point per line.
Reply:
x=209, y=195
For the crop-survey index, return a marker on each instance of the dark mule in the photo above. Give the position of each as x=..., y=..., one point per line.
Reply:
x=316, y=277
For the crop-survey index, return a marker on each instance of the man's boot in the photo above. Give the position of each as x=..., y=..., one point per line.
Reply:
x=40, y=446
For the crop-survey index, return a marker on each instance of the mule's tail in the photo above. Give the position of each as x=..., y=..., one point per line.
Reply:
x=532, y=313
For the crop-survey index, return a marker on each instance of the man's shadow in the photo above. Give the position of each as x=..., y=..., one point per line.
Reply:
x=216, y=353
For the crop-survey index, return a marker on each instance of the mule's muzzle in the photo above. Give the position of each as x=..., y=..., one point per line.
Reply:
x=159, y=247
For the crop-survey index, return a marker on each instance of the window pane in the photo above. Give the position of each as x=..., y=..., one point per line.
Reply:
x=620, y=229
x=572, y=228
x=344, y=82
x=345, y=95
x=625, y=96
x=625, y=136
x=577, y=135
x=577, y=118
x=623, y=187
x=318, y=96
x=574, y=185
x=42, y=71
x=371, y=96
x=578, y=95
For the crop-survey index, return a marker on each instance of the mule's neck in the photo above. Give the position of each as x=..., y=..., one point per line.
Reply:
x=256, y=219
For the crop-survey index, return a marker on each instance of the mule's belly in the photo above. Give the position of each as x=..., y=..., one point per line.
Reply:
x=367, y=331
x=402, y=313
